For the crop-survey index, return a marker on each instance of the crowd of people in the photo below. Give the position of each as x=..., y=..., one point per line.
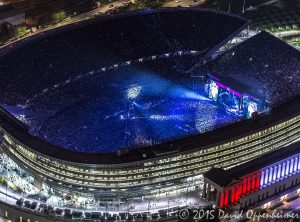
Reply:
x=265, y=59
x=98, y=114
x=57, y=57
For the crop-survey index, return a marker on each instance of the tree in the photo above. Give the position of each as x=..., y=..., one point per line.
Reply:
x=58, y=17
x=21, y=31
x=150, y=3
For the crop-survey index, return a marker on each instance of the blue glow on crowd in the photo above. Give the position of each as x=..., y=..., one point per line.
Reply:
x=133, y=106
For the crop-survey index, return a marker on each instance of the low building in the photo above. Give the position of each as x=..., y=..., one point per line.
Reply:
x=256, y=182
x=11, y=15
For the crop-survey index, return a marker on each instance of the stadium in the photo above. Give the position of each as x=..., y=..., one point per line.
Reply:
x=141, y=104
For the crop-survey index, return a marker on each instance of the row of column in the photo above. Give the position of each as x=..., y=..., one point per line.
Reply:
x=279, y=170
x=206, y=190
x=231, y=195
x=253, y=182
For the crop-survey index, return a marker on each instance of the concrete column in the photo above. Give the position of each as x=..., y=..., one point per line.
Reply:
x=287, y=168
x=253, y=182
x=266, y=176
x=240, y=190
x=283, y=170
x=233, y=193
x=244, y=187
x=208, y=191
x=221, y=204
x=226, y=198
x=279, y=171
x=204, y=190
x=249, y=189
x=275, y=173
x=292, y=165
x=296, y=164
x=270, y=175
x=262, y=178
x=258, y=180
x=218, y=198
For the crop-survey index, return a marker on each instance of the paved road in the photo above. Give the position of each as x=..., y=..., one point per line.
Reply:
x=104, y=8
x=136, y=206
x=184, y=3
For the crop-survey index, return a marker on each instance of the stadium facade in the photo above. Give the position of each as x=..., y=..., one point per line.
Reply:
x=163, y=169
x=256, y=182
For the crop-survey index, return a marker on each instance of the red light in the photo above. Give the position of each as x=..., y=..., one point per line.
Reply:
x=244, y=186
x=233, y=194
x=226, y=198
x=253, y=182
x=237, y=193
x=258, y=180
x=249, y=184
x=222, y=200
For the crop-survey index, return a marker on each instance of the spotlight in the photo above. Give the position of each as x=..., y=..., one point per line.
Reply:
x=133, y=92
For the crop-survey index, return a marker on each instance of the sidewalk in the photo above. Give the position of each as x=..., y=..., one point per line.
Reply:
x=191, y=199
